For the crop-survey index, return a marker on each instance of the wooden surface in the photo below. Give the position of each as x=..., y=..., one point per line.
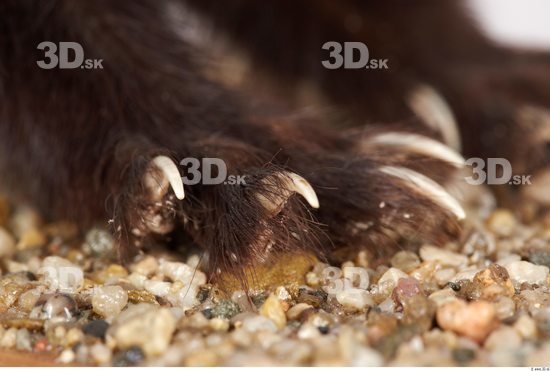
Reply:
x=10, y=357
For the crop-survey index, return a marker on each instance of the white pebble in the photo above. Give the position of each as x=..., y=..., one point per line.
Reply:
x=144, y=325
x=295, y=312
x=258, y=323
x=177, y=271
x=389, y=280
x=367, y=357
x=108, y=301
x=445, y=257
x=354, y=298
x=282, y=294
x=526, y=327
x=466, y=274
x=9, y=339
x=193, y=261
x=508, y=259
x=138, y=280
x=443, y=276
x=522, y=271
x=146, y=266
x=66, y=356
x=503, y=338
x=441, y=297
x=358, y=276
x=101, y=353
x=273, y=310
x=183, y=295
x=387, y=306
x=158, y=288
x=308, y=331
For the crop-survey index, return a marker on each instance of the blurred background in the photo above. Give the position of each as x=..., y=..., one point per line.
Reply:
x=523, y=23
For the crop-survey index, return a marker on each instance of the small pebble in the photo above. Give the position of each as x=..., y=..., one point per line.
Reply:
x=97, y=328
x=522, y=271
x=257, y=323
x=158, y=288
x=74, y=336
x=184, y=295
x=405, y=261
x=540, y=258
x=98, y=242
x=294, y=312
x=308, y=331
x=282, y=294
x=510, y=258
x=111, y=275
x=225, y=309
x=539, y=357
x=502, y=222
x=129, y=357
x=474, y=320
x=526, y=327
x=357, y=276
x=9, y=339
x=312, y=279
x=273, y=310
x=138, y=280
x=178, y=271
x=66, y=356
x=23, y=340
x=503, y=338
x=28, y=299
x=146, y=266
x=354, y=298
x=101, y=354
x=389, y=280
x=495, y=275
x=443, y=296
x=219, y=324
x=465, y=274
x=108, y=301
x=463, y=355
x=129, y=328
x=505, y=307
x=542, y=319
x=445, y=257
x=445, y=275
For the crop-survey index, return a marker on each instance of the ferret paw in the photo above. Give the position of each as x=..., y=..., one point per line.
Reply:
x=149, y=206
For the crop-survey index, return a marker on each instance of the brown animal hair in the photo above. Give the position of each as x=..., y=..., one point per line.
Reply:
x=85, y=144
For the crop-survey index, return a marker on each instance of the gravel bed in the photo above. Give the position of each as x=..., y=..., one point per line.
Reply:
x=482, y=300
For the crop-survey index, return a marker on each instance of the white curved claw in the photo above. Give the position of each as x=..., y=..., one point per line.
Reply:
x=427, y=187
x=434, y=111
x=169, y=169
x=419, y=144
x=292, y=183
x=302, y=186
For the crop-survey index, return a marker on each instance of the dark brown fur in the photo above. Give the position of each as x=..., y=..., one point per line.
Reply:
x=77, y=143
